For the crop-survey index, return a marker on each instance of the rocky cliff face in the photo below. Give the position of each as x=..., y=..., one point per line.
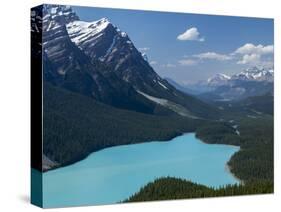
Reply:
x=99, y=60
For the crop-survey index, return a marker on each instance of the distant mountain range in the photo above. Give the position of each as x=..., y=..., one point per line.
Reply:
x=99, y=60
x=255, y=74
x=254, y=81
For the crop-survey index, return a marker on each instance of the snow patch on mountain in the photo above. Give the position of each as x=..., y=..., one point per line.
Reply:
x=179, y=109
x=218, y=80
x=154, y=99
x=80, y=31
x=109, y=50
x=144, y=56
x=123, y=34
x=250, y=74
x=255, y=74
x=162, y=85
x=57, y=15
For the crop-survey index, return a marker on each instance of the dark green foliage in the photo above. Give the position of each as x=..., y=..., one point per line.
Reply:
x=263, y=104
x=255, y=159
x=218, y=133
x=175, y=188
x=253, y=163
x=76, y=125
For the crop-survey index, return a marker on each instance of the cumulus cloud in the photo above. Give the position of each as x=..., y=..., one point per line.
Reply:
x=250, y=48
x=254, y=54
x=250, y=59
x=213, y=56
x=187, y=62
x=248, y=54
x=191, y=34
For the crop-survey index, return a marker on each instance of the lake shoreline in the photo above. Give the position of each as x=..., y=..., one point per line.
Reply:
x=137, y=165
x=227, y=166
x=228, y=169
x=168, y=140
x=83, y=158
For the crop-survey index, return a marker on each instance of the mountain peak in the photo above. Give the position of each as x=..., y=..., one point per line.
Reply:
x=218, y=79
x=220, y=76
x=103, y=20
x=56, y=16
x=255, y=74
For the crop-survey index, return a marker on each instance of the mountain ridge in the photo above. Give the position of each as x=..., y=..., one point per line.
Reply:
x=99, y=60
x=253, y=81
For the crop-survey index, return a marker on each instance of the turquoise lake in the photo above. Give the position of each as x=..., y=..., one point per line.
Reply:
x=113, y=174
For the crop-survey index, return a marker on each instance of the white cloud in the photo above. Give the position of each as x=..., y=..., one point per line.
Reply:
x=248, y=54
x=187, y=62
x=168, y=65
x=255, y=54
x=197, y=58
x=153, y=62
x=144, y=49
x=252, y=59
x=213, y=56
x=250, y=48
x=191, y=34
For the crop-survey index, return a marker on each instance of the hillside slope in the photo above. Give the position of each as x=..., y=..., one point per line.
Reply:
x=76, y=125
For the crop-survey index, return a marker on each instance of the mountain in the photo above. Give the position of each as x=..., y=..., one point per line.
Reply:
x=258, y=104
x=218, y=80
x=99, y=60
x=255, y=74
x=254, y=81
x=203, y=86
x=76, y=125
x=102, y=41
x=100, y=91
x=181, y=87
x=67, y=65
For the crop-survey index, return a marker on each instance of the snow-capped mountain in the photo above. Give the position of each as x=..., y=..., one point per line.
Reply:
x=55, y=17
x=88, y=36
x=250, y=74
x=254, y=81
x=218, y=80
x=99, y=60
x=101, y=40
x=255, y=74
x=250, y=82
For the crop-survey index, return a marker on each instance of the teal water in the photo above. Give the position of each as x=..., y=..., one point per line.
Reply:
x=113, y=174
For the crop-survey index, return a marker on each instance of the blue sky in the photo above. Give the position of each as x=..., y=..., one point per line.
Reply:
x=192, y=47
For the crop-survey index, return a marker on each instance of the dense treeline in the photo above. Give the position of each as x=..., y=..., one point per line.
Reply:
x=218, y=133
x=262, y=104
x=175, y=188
x=76, y=125
x=255, y=159
x=253, y=164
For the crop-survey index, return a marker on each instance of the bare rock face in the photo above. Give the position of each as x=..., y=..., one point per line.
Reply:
x=99, y=60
